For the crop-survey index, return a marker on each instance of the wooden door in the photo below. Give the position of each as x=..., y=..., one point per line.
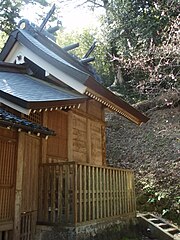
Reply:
x=29, y=202
x=8, y=144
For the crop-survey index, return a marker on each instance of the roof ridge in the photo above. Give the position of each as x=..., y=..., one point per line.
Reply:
x=53, y=46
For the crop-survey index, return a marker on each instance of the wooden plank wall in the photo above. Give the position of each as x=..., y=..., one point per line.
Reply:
x=29, y=202
x=86, y=140
x=30, y=174
x=8, y=144
x=95, y=109
x=96, y=138
x=79, y=138
x=79, y=135
x=57, y=145
x=87, y=137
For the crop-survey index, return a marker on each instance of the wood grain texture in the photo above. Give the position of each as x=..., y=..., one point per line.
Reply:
x=57, y=145
x=8, y=159
x=30, y=173
x=88, y=193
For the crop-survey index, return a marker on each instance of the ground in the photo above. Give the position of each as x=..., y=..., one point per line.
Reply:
x=153, y=151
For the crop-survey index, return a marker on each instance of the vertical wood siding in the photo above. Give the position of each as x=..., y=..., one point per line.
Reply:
x=57, y=145
x=6, y=235
x=29, y=204
x=96, y=137
x=86, y=140
x=95, y=109
x=79, y=138
x=7, y=175
x=30, y=174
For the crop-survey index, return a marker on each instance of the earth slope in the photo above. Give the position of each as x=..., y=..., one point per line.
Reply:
x=153, y=151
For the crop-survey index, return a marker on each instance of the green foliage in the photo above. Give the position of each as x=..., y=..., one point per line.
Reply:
x=9, y=13
x=141, y=37
x=144, y=37
x=154, y=198
x=3, y=38
x=133, y=24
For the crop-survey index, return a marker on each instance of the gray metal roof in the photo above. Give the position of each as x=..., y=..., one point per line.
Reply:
x=46, y=49
x=30, y=89
x=52, y=53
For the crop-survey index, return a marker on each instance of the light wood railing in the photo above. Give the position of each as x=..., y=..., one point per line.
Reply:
x=72, y=193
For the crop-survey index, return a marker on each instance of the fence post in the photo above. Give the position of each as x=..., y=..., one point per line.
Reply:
x=84, y=192
x=75, y=194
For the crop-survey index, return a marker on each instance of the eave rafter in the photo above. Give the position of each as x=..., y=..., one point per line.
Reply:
x=65, y=107
x=12, y=121
x=111, y=106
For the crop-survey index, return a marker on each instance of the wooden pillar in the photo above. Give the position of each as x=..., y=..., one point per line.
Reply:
x=44, y=142
x=103, y=134
x=18, y=188
x=88, y=145
x=70, y=136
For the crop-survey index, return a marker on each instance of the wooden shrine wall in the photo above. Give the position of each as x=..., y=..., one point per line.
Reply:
x=78, y=138
x=96, y=143
x=30, y=173
x=86, y=140
x=57, y=145
x=86, y=134
x=79, y=135
x=8, y=145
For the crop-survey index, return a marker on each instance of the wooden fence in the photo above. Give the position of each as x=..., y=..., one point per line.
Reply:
x=28, y=222
x=71, y=193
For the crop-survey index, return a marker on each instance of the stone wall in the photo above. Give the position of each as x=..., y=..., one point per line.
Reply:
x=107, y=229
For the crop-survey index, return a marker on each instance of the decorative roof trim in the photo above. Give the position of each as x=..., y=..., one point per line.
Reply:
x=64, y=107
x=118, y=104
x=11, y=121
x=111, y=106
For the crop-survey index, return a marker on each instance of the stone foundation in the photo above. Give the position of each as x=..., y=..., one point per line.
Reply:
x=96, y=230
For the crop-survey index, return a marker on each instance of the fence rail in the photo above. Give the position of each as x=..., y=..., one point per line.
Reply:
x=71, y=193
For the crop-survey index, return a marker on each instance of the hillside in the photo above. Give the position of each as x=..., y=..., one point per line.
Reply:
x=153, y=151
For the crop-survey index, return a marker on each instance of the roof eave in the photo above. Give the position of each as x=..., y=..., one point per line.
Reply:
x=54, y=104
x=40, y=104
x=21, y=127
x=8, y=45
x=120, y=105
